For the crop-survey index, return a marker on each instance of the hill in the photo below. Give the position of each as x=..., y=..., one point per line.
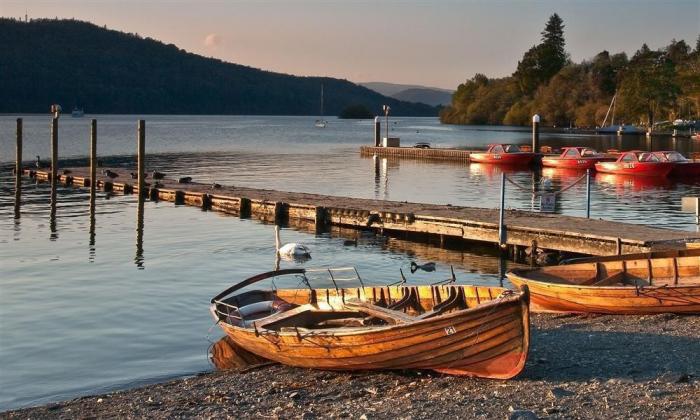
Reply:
x=424, y=95
x=76, y=63
x=412, y=93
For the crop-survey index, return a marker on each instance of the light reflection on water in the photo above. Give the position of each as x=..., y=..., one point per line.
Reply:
x=94, y=303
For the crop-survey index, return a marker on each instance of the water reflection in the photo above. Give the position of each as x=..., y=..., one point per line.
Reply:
x=138, y=258
x=52, y=212
x=621, y=183
x=91, y=242
x=227, y=355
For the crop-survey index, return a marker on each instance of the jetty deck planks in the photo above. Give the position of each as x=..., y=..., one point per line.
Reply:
x=549, y=231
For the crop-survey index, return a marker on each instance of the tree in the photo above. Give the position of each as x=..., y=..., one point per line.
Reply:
x=553, y=56
x=648, y=85
x=541, y=62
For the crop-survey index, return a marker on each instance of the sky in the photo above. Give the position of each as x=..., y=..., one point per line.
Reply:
x=438, y=43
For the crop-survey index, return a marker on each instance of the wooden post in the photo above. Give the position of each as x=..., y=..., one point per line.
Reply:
x=281, y=212
x=321, y=219
x=54, y=149
x=377, y=132
x=18, y=169
x=141, y=155
x=244, y=208
x=93, y=157
x=535, y=133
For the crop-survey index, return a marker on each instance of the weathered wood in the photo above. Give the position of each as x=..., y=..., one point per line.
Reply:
x=416, y=153
x=141, y=155
x=54, y=149
x=18, y=168
x=93, y=156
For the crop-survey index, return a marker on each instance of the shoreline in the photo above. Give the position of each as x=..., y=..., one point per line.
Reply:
x=579, y=366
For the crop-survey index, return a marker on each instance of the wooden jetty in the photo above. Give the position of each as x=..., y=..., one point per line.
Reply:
x=445, y=222
x=417, y=153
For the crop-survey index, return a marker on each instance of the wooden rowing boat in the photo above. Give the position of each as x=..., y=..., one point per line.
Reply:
x=461, y=330
x=633, y=284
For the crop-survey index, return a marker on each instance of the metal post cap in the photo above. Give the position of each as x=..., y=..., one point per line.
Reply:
x=535, y=118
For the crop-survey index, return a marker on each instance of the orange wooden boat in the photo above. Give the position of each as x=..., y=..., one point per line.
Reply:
x=461, y=330
x=632, y=284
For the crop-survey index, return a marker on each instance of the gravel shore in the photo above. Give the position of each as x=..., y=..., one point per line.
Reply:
x=579, y=367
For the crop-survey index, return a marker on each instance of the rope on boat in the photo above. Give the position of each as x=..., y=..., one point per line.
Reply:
x=538, y=194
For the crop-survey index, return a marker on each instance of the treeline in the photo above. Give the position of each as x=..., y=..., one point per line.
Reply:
x=652, y=86
x=75, y=63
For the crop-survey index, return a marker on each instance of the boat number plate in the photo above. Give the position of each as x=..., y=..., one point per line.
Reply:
x=581, y=161
x=496, y=156
x=629, y=165
x=450, y=330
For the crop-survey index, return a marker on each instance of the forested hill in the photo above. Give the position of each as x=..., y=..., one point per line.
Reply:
x=75, y=63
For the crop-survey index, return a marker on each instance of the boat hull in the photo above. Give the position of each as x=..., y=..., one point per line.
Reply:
x=563, y=163
x=490, y=340
x=686, y=170
x=521, y=158
x=660, y=169
x=661, y=285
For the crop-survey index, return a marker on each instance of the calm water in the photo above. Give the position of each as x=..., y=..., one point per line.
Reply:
x=84, y=312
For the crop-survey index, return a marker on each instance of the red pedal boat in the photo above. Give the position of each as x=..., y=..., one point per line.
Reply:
x=504, y=154
x=637, y=163
x=684, y=168
x=575, y=158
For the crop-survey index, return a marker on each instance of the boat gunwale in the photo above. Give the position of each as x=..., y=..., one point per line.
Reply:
x=513, y=297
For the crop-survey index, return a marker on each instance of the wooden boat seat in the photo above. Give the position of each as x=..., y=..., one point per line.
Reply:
x=455, y=300
x=386, y=314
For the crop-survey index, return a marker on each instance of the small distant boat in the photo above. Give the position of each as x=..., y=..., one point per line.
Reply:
x=575, y=158
x=626, y=284
x=459, y=330
x=505, y=154
x=616, y=129
x=637, y=163
x=684, y=167
x=77, y=112
x=321, y=123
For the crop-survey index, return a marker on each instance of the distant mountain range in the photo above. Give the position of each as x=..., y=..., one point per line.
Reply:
x=76, y=63
x=412, y=93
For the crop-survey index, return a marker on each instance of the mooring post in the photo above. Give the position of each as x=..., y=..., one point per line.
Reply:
x=18, y=168
x=588, y=193
x=535, y=133
x=54, y=149
x=501, y=209
x=377, y=132
x=141, y=155
x=93, y=157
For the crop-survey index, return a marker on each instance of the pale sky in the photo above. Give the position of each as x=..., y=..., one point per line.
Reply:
x=435, y=43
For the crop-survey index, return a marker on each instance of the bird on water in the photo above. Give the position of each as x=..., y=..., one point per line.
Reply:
x=290, y=250
x=185, y=180
x=158, y=175
x=110, y=174
x=429, y=267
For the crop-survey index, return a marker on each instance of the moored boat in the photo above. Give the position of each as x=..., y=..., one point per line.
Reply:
x=636, y=284
x=461, y=330
x=636, y=163
x=504, y=154
x=575, y=158
x=684, y=167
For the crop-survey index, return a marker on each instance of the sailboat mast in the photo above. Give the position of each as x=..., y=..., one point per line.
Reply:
x=322, y=99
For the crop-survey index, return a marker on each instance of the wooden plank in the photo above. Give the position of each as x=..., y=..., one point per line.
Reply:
x=552, y=232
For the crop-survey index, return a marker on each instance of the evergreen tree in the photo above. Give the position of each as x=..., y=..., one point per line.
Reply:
x=541, y=62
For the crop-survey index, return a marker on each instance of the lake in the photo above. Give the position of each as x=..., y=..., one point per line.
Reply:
x=92, y=304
